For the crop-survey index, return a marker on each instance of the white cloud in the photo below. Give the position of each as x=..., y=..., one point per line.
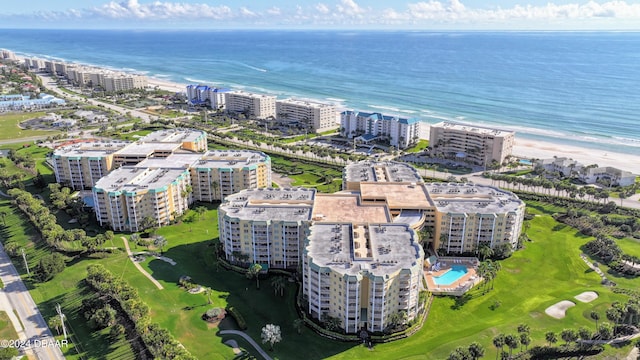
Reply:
x=347, y=13
x=322, y=8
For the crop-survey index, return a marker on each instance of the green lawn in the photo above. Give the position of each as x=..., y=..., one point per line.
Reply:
x=421, y=145
x=9, y=126
x=7, y=332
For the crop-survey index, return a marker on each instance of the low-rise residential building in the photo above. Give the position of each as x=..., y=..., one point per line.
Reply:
x=256, y=105
x=23, y=102
x=366, y=127
x=313, y=115
x=591, y=174
x=607, y=175
x=471, y=144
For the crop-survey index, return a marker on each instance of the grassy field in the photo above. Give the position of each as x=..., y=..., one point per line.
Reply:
x=7, y=332
x=421, y=145
x=308, y=175
x=9, y=126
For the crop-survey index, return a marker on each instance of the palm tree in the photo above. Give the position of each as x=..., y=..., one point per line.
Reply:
x=595, y=316
x=298, y=324
x=253, y=272
x=551, y=337
x=525, y=340
x=215, y=185
x=512, y=342
x=278, y=283
x=201, y=210
x=499, y=342
x=476, y=350
x=484, y=251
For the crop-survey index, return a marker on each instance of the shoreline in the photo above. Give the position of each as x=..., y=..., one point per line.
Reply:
x=523, y=148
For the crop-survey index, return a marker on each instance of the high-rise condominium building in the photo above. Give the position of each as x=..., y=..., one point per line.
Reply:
x=313, y=115
x=367, y=127
x=471, y=144
x=205, y=95
x=358, y=247
x=257, y=105
x=80, y=166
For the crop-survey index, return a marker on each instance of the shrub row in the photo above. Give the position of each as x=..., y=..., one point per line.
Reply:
x=157, y=340
x=45, y=222
x=242, y=324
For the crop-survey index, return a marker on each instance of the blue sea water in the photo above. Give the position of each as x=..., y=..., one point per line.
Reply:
x=579, y=88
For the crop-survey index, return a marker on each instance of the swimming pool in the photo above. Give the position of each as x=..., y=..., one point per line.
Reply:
x=451, y=276
x=88, y=200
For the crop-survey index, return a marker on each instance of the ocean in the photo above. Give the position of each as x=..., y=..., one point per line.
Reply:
x=577, y=88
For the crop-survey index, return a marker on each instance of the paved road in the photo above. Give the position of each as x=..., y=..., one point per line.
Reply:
x=35, y=333
x=249, y=340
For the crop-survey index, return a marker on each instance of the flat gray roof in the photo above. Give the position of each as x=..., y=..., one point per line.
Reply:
x=343, y=247
x=471, y=198
x=381, y=171
x=131, y=178
x=214, y=159
x=147, y=148
x=91, y=149
x=173, y=135
x=283, y=204
x=173, y=161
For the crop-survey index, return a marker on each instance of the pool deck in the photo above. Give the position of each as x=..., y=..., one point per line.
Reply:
x=458, y=287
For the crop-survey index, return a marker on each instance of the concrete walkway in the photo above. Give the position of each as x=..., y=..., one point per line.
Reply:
x=249, y=340
x=143, y=271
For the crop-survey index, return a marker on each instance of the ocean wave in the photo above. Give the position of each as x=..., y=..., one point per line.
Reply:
x=252, y=67
x=196, y=81
x=393, y=109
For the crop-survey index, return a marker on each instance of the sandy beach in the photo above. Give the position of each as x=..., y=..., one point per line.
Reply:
x=524, y=148
x=531, y=149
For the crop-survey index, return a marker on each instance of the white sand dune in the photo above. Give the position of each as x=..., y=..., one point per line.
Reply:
x=558, y=310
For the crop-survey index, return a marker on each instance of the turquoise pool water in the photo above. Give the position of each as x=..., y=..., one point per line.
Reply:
x=448, y=278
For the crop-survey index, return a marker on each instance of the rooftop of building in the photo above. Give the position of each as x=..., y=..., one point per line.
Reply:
x=90, y=149
x=306, y=103
x=251, y=95
x=347, y=207
x=471, y=198
x=472, y=128
x=146, y=149
x=180, y=135
x=230, y=159
x=282, y=204
x=379, y=116
x=381, y=171
x=181, y=160
x=349, y=249
x=397, y=195
x=136, y=179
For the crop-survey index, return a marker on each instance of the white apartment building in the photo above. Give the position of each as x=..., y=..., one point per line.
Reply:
x=205, y=95
x=358, y=248
x=366, y=127
x=472, y=144
x=91, y=76
x=127, y=196
x=80, y=165
x=7, y=55
x=314, y=115
x=362, y=274
x=257, y=105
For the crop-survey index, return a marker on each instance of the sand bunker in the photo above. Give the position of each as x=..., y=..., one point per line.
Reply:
x=587, y=296
x=558, y=310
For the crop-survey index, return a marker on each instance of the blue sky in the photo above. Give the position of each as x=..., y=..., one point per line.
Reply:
x=324, y=14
